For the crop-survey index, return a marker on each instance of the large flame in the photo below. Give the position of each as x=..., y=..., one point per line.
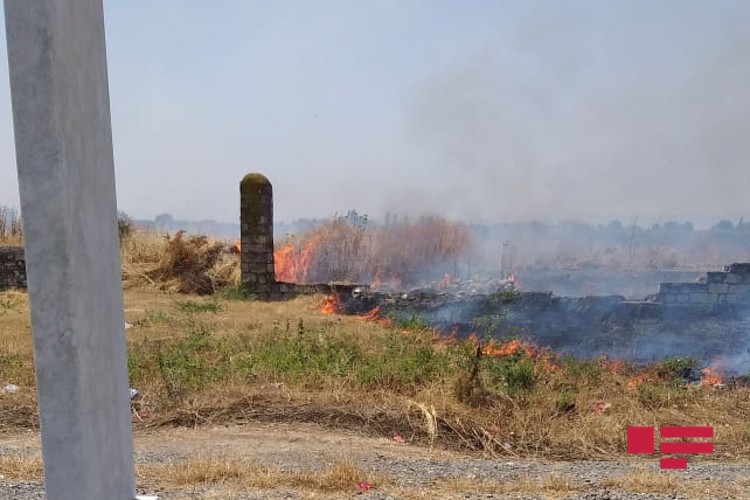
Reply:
x=292, y=265
x=711, y=376
x=282, y=260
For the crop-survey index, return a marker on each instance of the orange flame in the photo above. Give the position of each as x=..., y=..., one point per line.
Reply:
x=646, y=377
x=282, y=259
x=236, y=248
x=508, y=348
x=532, y=352
x=293, y=266
x=711, y=376
x=330, y=305
x=373, y=316
x=370, y=316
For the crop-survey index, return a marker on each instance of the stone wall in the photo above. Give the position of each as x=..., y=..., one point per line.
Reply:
x=12, y=268
x=730, y=287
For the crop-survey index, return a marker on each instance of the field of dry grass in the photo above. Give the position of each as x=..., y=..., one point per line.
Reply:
x=203, y=361
x=218, y=358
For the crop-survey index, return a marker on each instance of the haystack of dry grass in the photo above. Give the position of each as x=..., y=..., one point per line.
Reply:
x=180, y=263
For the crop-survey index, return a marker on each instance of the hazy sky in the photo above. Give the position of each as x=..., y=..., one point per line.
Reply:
x=480, y=110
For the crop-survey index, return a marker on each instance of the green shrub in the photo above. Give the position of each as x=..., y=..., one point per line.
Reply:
x=565, y=400
x=677, y=369
x=582, y=370
x=513, y=374
x=409, y=321
x=664, y=395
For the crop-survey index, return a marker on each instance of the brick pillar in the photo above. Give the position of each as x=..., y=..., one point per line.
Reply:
x=256, y=228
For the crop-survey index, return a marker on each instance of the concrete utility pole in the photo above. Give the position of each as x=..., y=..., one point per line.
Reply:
x=58, y=75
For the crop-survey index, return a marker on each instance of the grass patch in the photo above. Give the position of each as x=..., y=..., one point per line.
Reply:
x=405, y=320
x=211, y=471
x=645, y=481
x=192, y=306
x=553, y=484
x=21, y=467
x=12, y=301
x=286, y=362
x=155, y=318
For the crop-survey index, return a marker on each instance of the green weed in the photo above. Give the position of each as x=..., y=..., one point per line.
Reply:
x=191, y=306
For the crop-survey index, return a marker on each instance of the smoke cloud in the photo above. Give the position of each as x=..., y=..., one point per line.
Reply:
x=593, y=111
x=481, y=110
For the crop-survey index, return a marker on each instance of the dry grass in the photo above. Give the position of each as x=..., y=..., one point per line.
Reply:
x=180, y=263
x=646, y=481
x=203, y=361
x=239, y=474
x=550, y=485
x=344, y=252
x=213, y=471
x=671, y=482
x=18, y=467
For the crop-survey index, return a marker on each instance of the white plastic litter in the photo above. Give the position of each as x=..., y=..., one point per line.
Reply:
x=134, y=393
x=128, y=325
x=10, y=389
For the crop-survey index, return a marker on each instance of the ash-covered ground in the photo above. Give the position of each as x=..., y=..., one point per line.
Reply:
x=709, y=321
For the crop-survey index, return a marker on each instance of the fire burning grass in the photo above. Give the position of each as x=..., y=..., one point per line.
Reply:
x=289, y=362
x=387, y=257
x=656, y=373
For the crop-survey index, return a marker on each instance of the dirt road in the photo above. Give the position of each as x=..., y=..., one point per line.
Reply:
x=305, y=461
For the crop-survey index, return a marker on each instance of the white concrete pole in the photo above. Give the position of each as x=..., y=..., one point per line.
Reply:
x=60, y=96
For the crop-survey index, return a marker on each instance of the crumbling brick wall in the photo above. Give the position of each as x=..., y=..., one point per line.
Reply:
x=12, y=268
x=730, y=287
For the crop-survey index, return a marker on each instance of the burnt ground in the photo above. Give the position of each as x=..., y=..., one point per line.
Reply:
x=586, y=327
x=397, y=470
